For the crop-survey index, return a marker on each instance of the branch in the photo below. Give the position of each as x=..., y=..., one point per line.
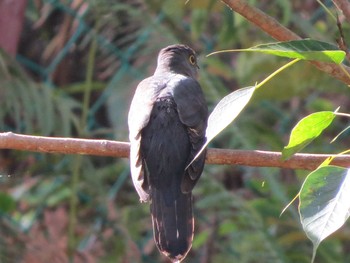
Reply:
x=344, y=7
x=9, y=140
x=272, y=27
x=257, y=158
x=11, y=24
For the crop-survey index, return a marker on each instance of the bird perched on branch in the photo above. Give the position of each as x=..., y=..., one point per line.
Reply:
x=167, y=122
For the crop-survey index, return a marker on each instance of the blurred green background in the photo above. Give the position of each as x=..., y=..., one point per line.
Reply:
x=74, y=75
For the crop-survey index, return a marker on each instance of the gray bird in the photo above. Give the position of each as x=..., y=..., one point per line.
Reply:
x=167, y=122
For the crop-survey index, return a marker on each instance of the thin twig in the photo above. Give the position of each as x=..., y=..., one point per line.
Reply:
x=9, y=140
x=273, y=28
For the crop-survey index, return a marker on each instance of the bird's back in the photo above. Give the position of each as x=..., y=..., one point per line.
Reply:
x=167, y=123
x=165, y=148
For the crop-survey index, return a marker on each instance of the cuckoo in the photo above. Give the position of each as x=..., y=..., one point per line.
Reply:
x=167, y=122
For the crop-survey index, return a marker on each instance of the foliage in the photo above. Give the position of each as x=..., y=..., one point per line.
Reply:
x=308, y=129
x=324, y=205
x=43, y=197
x=307, y=49
x=323, y=197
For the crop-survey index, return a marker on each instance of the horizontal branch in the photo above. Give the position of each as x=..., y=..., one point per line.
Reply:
x=258, y=158
x=9, y=140
x=273, y=28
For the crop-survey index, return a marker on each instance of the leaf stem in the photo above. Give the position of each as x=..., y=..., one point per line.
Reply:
x=73, y=202
x=327, y=10
x=276, y=72
x=88, y=83
x=342, y=114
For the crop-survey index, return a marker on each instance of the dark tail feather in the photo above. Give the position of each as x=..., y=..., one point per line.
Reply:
x=172, y=224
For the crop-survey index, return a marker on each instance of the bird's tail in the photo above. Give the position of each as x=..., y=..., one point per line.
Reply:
x=172, y=224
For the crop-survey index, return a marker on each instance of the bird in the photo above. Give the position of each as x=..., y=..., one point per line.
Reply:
x=167, y=121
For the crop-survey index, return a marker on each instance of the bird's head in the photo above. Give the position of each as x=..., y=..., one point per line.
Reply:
x=179, y=59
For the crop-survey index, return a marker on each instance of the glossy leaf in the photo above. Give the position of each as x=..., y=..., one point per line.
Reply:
x=306, y=49
x=306, y=131
x=225, y=112
x=324, y=202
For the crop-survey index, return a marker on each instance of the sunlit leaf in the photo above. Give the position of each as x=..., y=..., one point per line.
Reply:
x=306, y=131
x=324, y=202
x=225, y=112
x=306, y=49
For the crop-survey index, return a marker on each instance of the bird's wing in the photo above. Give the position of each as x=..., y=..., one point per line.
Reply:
x=193, y=113
x=139, y=114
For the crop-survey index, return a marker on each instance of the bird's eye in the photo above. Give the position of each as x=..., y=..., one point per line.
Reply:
x=192, y=59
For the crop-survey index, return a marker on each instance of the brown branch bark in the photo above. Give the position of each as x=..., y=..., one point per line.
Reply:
x=257, y=158
x=273, y=28
x=11, y=23
x=9, y=140
x=344, y=7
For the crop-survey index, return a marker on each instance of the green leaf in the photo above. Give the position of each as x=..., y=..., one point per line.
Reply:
x=7, y=203
x=306, y=49
x=59, y=196
x=225, y=112
x=324, y=203
x=200, y=239
x=306, y=131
